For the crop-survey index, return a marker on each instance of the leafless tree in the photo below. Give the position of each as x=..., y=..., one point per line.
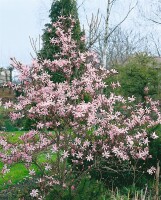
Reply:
x=155, y=12
x=93, y=30
x=36, y=46
x=156, y=45
x=108, y=32
x=152, y=18
x=100, y=31
x=121, y=45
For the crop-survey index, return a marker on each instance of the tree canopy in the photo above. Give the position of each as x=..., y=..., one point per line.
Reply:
x=59, y=8
x=138, y=76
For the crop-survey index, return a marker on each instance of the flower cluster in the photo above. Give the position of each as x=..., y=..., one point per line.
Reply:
x=74, y=119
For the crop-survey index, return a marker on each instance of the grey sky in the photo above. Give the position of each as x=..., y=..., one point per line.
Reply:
x=20, y=19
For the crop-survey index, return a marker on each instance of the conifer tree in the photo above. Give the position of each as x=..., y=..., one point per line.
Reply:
x=59, y=8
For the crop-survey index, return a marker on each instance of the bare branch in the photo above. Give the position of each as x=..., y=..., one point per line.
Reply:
x=130, y=10
x=94, y=31
x=156, y=45
x=107, y=34
x=81, y=4
x=156, y=18
x=154, y=21
x=34, y=45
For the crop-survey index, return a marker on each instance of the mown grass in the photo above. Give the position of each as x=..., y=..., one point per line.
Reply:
x=18, y=172
x=13, y=137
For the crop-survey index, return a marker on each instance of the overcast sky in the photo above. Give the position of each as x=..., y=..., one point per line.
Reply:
x=20, y=19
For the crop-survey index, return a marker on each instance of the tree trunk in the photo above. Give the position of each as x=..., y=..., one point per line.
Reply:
x=157, y=182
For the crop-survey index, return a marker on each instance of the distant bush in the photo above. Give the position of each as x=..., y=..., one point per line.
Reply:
x=18, y=191
x=5, y=122
x=136, y=75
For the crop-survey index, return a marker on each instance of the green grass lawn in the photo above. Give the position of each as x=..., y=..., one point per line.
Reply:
x=18, y=171
x=13, y=137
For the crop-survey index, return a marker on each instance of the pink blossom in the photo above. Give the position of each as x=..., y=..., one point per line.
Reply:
x=40, y=125
x=54, y=148
x=89, y=157
x=73, y=187
x=48, y=167
x=65, y=154
x=32, y=172
x=79, y=155
x=106, y=154
x=154, y=136
x=7, y=105
x=86, y=143
x=152, y=170
x=131, y=99
x=5, y=170
x=34, y=193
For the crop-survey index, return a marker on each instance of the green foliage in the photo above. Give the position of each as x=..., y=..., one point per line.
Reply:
x=7, y=125
x=27, y=124
x=87, y=189
x=155, y=146
x=60, y=8
x=19, y=191
x=138, y=73
x=91, y=189
x=5, y=122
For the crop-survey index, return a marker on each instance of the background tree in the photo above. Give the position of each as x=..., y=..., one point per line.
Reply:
x=139, y=77
x=151, y=19
x=122, y=44
x=100, y=30
x=60, y=8
x=107, y=31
